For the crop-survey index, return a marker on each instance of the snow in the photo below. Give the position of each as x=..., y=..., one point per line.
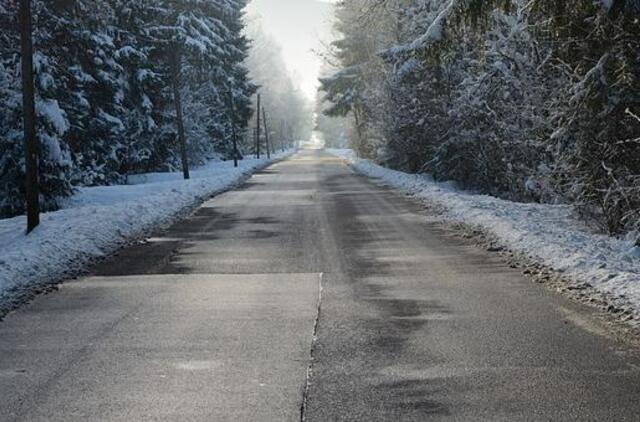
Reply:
x=115, y=122
x=97, y=220
x=408, y=67
x=52, y=147
x=548, y=234
x=433, y=34
x=81, y=75
x=128, y=52
x=607, y=4
x=580, y=91
x=51, y=112
x=143, y=75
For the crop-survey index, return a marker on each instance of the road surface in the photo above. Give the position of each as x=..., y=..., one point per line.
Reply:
x=311, y=293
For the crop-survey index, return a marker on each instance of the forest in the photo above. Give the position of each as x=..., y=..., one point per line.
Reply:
x=104, y=97
x=535, y=101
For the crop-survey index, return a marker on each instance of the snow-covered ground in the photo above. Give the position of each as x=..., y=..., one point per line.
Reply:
x=550, y=235
x=98, y=220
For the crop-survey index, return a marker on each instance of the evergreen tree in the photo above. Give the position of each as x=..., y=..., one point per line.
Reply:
x=51, y=79
x=530, y=100
x=104, y=98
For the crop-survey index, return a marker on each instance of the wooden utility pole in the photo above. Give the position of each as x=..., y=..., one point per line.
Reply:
x=232, y=108
x=176, y=62
x=29, y=112
x=266, y=133
x=258, y=130
x=291, y=141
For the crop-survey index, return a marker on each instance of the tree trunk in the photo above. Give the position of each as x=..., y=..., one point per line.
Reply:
x=282, y=135
x=258, y=130
x=359, y=130
x=175, y=79
x=29, y=111
x=266, y=132
x=232, y=111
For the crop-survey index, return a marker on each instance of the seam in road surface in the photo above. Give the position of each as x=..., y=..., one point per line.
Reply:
x=314, y=338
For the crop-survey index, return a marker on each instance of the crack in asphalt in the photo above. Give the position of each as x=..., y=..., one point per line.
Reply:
x=314, y=338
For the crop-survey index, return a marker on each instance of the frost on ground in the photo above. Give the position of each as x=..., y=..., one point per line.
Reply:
x=97, y=220
x=549, y=235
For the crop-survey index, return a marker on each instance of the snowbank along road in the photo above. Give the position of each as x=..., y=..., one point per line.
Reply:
x=310, y=293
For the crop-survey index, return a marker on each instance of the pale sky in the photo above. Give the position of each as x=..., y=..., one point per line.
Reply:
x=298, y=25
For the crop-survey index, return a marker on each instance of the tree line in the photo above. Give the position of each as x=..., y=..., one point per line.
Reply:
x=104, y=96
x=535, y=100
x=288, y=114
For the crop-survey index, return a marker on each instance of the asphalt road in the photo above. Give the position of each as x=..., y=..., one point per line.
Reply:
x=214, y=320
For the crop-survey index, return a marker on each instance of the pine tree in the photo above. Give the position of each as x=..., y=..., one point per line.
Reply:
x=529, y=100
x=104, y=98
x=53, y=121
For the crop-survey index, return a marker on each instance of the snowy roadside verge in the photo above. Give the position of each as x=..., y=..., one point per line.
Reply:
x=96, y=221
x=549, y=235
